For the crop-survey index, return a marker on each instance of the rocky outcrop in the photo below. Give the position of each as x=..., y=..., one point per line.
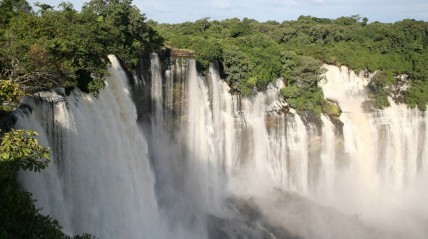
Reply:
x=182, y=53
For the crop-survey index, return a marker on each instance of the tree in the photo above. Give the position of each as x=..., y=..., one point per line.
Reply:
x=10, y=96
x=302, y=74
x=39, y=50
x=289, y=60
x=12, y=8
x=207, y=51
x=236, y=67
x=129, y=35
x=381, y=86
x=302, y=71
x=20, y=150
x=398, y=48
x=364, y=22
x=203, y=24
x=66, y=48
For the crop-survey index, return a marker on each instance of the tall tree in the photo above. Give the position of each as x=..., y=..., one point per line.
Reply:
x=11, y=8
x=130, y=35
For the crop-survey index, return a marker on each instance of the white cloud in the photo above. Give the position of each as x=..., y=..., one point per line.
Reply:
x=221, y=4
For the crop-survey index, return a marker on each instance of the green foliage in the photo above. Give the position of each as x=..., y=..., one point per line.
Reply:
x=417, y=95
x=301, y=75
x=398, y=48
x=208, y=51
x=238, y=29
x=46, y=51
x=330, y=109
x=67, y=48
x=289, y=60
x=304, y=100
x=20, y=219
x=236, y=67
x=55, y=47
x=95, y=86
x=128, y=34
x=381, y=85
x=10, y=95
x=19, y=216
x=12, y=8
x=20, y=150
x=302, y=71
x=265, y=62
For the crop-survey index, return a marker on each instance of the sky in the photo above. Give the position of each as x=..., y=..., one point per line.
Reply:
x=177, y=11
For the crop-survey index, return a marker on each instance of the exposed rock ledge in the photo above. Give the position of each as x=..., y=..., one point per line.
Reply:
x=180, y=53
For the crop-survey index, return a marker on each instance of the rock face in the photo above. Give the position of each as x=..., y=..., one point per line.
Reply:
x=247, y=222
x=7, y=122
x=182, y=53
x=399, y=88
x=303, y=218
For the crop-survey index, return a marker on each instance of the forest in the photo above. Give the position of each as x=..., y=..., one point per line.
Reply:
x=57, y=46
x=254, y=53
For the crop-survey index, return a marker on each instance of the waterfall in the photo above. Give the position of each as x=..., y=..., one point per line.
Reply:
x=387, y=145
x=328, y=156
x=156, y=90
x=99, y=180
x=213, y=164
x=384, y=154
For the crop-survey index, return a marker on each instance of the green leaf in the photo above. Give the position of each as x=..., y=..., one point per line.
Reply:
x=5, y=156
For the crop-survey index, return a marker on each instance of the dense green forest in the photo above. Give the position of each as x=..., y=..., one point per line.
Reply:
x=254, y=53
x=55, y=46
x=63, y=47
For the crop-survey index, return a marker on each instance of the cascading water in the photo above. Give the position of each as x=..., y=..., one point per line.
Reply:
x=386, y=145
x=99, y=180
x=385, y=152
x=328, y=156
x=223, y=166
x=257, y=147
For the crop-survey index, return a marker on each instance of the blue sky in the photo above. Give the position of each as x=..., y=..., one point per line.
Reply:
x=175, y=11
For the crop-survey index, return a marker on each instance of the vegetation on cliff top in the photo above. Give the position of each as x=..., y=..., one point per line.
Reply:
x=63, y=47
x=252, y=53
